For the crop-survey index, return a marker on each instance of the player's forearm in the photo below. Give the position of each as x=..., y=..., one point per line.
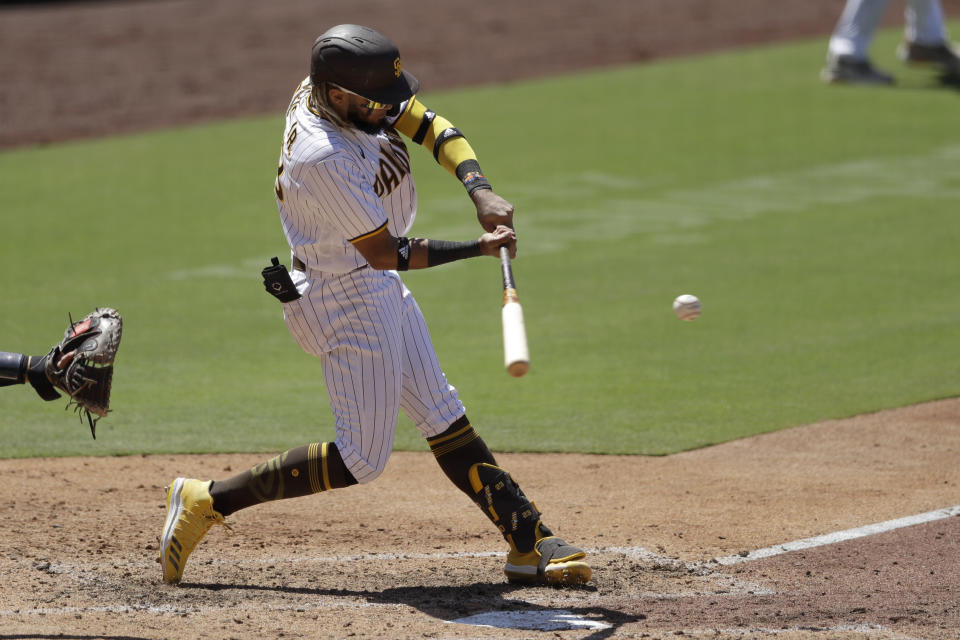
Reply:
x=383, y=251
x=424, y=253
x=404, y=253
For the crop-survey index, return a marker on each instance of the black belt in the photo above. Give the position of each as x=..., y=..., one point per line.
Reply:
x=298, y=265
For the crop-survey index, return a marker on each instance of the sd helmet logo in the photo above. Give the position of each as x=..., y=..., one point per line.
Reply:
x=397, y=68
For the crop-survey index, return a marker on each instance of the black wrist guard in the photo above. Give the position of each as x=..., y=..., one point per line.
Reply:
x=471, y=176
x=403, y=254
x=442, y=251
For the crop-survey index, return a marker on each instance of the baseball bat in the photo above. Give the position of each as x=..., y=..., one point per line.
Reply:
x=516, y=355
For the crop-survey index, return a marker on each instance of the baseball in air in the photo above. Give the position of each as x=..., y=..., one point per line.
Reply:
x=687, y=307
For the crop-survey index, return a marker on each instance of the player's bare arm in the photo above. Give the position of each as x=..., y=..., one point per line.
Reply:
x=384, y=251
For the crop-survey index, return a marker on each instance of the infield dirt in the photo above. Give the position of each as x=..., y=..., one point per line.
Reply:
x=408, y=555
x=404, y=556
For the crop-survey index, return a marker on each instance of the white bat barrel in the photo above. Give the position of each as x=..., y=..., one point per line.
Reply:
x=516, y=355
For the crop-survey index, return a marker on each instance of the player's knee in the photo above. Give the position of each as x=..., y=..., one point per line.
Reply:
x=366, y=471
x=366, y=474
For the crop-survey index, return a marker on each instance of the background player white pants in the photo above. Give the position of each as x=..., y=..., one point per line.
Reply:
x=860, y=18
x=377, y=358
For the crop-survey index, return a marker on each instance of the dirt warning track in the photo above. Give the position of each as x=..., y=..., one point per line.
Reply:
x=88, y=69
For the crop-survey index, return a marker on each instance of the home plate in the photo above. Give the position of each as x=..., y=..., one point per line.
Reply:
x=539, y=620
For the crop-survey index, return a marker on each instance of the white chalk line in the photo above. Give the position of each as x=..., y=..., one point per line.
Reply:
x=630, y=551
x=841, y=536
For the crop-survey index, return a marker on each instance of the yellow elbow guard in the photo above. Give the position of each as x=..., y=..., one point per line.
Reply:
x=437, y=134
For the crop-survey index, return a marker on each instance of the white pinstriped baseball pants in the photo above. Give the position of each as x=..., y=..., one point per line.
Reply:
x=377, y=358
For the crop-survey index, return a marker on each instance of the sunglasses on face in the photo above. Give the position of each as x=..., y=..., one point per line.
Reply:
x=368, y=103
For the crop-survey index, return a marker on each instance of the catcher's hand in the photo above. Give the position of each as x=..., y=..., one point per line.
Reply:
x=82, y=363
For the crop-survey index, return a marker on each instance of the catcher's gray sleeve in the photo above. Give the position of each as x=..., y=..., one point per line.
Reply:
x=13, y=368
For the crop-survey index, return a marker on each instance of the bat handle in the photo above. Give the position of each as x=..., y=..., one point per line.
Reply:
x=509, y=285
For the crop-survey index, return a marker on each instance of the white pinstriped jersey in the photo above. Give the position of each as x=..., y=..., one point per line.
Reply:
x=335, y=185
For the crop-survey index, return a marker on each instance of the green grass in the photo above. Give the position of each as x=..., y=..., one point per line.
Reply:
x=817, y=224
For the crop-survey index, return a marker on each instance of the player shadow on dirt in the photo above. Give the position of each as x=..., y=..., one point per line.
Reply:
x=449, y=603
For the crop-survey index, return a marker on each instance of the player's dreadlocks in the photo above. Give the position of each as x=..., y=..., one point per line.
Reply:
x=320, y=104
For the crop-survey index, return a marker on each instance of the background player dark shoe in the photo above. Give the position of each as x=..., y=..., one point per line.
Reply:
x=190, y=515
x=940, y=57
x=850, y=70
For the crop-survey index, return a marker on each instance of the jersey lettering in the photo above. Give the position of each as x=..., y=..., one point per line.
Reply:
x=277, y=187
x=302, y=91
x=291, y=137
x=394, y=166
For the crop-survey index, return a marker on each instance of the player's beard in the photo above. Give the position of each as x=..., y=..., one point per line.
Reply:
x=373, y=128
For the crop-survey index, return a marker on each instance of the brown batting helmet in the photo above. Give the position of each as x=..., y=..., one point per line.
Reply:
x=363, y=61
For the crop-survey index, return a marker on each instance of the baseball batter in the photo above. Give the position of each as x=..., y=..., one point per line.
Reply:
x=347, y=201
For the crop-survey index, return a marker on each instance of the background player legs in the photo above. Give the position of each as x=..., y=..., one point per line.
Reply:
x=924, y=23
x=925, y=43
x=855, y=28
x=848, y=59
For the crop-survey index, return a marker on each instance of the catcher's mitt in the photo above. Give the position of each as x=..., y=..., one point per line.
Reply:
x=81, y=365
